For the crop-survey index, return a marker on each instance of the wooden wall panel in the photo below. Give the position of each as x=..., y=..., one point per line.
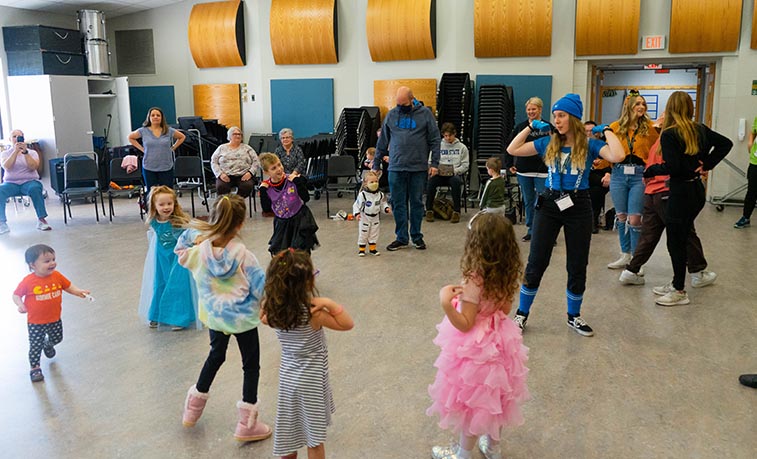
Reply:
x=218, y=101
x=304, y=32
x=607, y=27
x=705, y=26
x=216, y=34
x=507, y=28
x=385, y=92
x=754, y=26
x=401, y=30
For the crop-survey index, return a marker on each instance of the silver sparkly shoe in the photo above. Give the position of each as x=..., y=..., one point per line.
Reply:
x=484, y=444
x=445, y=452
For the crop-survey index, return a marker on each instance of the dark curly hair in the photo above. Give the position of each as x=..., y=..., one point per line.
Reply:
x=492, y=255
x=289, y=289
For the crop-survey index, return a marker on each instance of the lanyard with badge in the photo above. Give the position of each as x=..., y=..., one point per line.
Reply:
x=630, y=169
x=564, y=202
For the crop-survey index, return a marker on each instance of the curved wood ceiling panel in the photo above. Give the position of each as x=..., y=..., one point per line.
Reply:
x=616, y=32
x=220, y=102
x=216, y=34
x=509, y=28
x=304, y=32
x=401, y=30
x=385, y=92
x=705, y=26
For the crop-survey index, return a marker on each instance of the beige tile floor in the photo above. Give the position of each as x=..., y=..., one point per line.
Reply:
x=653, y=382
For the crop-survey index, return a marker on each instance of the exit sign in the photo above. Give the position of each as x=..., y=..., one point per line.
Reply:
x=653, y=42
x=652, y=66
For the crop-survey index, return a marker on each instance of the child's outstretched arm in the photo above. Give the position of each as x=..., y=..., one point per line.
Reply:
x=19, y=303
x=76, y=291
x=464, y=319
x=327, y=313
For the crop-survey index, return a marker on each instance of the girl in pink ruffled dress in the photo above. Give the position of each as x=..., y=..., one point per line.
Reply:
x=481, y=378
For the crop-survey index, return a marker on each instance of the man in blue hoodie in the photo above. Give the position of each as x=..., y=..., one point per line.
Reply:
x=408, y=134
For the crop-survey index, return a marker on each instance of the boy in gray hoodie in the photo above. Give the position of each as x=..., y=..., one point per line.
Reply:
x=453, y=164
x=408, y=134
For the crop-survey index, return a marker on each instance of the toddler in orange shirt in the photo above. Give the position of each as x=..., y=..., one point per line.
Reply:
x=39, y=295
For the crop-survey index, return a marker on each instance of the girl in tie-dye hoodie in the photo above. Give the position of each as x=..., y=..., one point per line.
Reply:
x=230, y=284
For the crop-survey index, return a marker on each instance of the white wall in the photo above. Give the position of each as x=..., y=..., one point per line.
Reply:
x=354, y=74
x=18, y=17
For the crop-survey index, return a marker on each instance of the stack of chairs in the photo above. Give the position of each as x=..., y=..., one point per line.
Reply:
x=496, y=115
x=454, y=104
x=317, y=149
x=353, y=132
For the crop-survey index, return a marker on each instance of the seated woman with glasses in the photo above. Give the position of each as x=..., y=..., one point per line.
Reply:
x=235, y=164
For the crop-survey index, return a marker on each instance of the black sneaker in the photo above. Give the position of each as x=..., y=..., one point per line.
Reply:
x=396, y=245
x=420, y=245
x=520, y=319
x=580, y=326
x=49, y=351
x=36, y=375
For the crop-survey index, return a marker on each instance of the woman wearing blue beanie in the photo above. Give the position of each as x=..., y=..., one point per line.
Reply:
x=568, y=154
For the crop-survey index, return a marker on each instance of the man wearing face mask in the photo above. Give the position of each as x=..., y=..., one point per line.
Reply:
x=408, y=134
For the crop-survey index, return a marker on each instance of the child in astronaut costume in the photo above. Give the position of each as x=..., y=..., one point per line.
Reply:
x=367, y=209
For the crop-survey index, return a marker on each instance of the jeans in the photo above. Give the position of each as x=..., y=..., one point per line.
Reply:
x=751, y=191
x=627, y=192
x=249, y=347
x=455, y=182
x=685, y=202
x=244, y=187
x=530, y=187
x=652, y=226
x=547, y=223
x=407, y=188
x=32, y=188
x=153, y=178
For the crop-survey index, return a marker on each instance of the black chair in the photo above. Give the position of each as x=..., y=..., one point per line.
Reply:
x=81, y=179
x=340, y=167
x=119, y=177
x=448, y=189
x=190, y=176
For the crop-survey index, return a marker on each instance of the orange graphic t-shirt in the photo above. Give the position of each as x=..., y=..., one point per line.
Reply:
x=42, y=296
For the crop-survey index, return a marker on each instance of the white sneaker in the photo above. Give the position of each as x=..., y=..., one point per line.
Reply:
x=664, y=289
x=703, y=278
x=621, y=262
x=629, y=278
x=674, y=298
x=4, y=227
x=43, y=226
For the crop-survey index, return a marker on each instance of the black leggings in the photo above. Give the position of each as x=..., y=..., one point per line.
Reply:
x=43, y=336
x=684, y=204
x=751, y=191
x=249, y=347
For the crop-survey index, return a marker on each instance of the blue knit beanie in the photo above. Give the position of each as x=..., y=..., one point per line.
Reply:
x=570, y=104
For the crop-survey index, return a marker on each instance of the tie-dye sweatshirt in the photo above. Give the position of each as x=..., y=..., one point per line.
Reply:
x=229, y=283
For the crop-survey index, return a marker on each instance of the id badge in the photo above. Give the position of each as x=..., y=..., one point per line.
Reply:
x=629, y=170
x=564, y=202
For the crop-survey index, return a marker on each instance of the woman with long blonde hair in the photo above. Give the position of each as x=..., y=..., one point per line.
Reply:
x=637, y=134
x=688, y=150
x=568, y=154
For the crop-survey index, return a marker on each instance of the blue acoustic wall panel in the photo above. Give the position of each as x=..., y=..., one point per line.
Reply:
x=524, y=87
x=142, y=98
x=306, y=106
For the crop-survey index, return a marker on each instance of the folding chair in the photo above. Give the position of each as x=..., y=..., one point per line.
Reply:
x=81, y=179
x=342, y=166
x=448, y=189
x=190, y=176
x=119, y=176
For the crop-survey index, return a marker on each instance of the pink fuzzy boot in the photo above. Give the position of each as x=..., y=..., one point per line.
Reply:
x=248, y=427
x=193, y=406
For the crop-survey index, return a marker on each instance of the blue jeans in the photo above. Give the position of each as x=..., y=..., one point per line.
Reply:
x=530, y=187
x=407, y=187
x=627, y=192
x=32, y=188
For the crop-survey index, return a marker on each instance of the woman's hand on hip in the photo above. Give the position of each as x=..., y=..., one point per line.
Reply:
x=247, y=176
x=224, y=178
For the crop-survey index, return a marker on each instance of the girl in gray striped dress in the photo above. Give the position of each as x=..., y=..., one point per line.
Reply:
x=290, y=306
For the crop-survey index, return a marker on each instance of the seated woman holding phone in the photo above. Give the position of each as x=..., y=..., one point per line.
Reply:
x=20, y=178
